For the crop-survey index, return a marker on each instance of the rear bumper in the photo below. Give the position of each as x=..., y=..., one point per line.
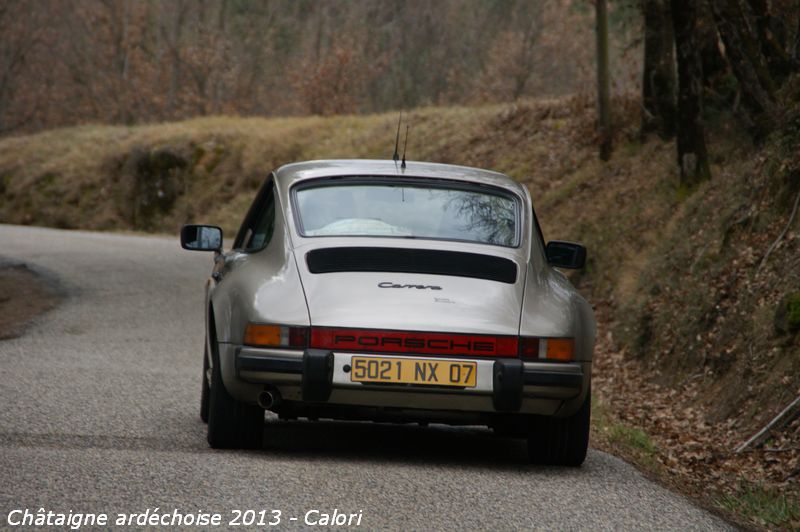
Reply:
x=321, y=377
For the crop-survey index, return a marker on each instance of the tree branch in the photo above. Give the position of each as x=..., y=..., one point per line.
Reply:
x=780, y=236
x=786, y=415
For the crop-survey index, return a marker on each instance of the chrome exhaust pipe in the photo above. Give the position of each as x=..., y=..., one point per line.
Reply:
x=269, y=399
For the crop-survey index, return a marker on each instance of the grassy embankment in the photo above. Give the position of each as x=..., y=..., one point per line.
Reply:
x=694, y=353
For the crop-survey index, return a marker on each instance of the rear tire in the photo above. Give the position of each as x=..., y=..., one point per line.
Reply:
x=231, y=424
x=561, y=441
x=206, y=390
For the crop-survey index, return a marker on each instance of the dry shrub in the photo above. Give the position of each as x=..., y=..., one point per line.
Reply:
x=149, y=184
x=336, y=82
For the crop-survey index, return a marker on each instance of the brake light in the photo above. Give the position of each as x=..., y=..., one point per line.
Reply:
x=529, y=347
x=260, y=335
x=298, y=336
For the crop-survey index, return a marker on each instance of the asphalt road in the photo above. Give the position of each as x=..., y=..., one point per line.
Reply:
x=100, y=414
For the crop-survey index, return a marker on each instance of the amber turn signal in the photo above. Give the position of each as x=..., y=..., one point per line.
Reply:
x=264, y=335
x=260, y=335
x=560, y=349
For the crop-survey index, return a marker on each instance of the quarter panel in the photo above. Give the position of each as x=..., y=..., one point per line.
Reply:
x=553, y=308
x=260, y=287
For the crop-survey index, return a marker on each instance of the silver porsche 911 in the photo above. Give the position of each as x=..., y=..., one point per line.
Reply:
x=377, y=291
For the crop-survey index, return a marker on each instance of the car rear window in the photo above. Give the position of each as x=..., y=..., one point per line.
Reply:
x=410, y=210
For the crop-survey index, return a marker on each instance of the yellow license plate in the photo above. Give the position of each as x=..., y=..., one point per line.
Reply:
x=414, y=371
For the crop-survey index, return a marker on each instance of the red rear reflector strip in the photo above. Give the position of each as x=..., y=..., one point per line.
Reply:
x=413, y=342
x=529, y=347
x=298, y=336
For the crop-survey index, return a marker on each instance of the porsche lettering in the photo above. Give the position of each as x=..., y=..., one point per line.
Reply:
x=444, y=345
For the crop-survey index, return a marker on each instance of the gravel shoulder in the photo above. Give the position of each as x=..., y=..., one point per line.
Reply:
x=24, y=295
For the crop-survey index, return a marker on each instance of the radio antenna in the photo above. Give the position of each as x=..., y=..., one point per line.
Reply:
x=405, y=143
x=396, y=156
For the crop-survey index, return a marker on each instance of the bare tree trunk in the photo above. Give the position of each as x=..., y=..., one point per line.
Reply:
x=714, y=64
x=692, y=154
x=603, y=80
x=525, y=59
x=174, y=34
x=658, y=85
x=771, y=33
x=748, y=64
x=126, y=113
x=217, y=92
x=796, y=45
x=14, y=51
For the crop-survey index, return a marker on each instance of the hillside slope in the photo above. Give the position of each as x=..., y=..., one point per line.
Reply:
x=699, y=342
x=158, y=177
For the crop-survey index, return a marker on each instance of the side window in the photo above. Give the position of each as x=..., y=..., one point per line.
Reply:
x=258, y=226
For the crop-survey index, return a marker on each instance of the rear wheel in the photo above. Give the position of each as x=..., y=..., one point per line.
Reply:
x=206, y=390
x=560, y=441
x=231, y=424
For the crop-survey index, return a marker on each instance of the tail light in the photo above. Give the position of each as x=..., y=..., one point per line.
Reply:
x=526, y=347
x=529, y=347
x=260, y=335
x=561, y=349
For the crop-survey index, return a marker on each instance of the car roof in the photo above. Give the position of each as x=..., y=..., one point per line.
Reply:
x=290, y=174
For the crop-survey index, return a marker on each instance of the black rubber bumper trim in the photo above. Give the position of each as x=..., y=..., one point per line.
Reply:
x=317, y=375
x=507, y=390
x=270, y=364
x=510, y=376
x=550, y=378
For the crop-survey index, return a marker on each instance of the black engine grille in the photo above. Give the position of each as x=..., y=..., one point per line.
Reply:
x=405, y=260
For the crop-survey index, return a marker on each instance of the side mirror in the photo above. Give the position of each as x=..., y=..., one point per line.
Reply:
x=565, y=255
x=201, y=238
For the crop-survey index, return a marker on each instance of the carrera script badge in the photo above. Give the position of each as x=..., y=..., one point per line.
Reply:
x=389, y=284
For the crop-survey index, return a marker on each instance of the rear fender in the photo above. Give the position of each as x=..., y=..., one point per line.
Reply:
x=259, y=287
x=552, y=308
